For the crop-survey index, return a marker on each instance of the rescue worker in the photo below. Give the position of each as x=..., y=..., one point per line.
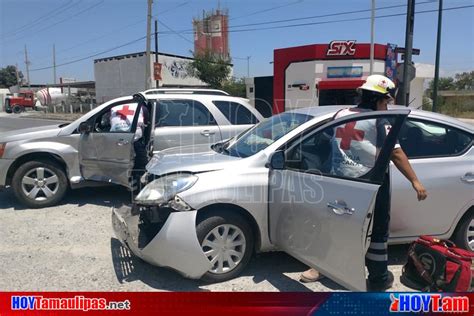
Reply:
x=121, y=119
x=375, y=96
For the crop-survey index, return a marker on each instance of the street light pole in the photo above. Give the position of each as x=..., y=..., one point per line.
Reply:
x=156, y=49
x=408, y=51
x=372, y=25
x=438, y=48
x=248, y=66
x=148, y=45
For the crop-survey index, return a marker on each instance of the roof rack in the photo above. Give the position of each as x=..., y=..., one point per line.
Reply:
x=185, y=91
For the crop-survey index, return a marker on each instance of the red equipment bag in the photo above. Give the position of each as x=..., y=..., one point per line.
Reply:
x=436, y=265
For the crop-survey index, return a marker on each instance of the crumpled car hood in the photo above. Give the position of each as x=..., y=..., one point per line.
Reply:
x=194, y=158
x=30, y=133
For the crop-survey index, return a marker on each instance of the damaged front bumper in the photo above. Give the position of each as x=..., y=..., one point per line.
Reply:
x=172, y=242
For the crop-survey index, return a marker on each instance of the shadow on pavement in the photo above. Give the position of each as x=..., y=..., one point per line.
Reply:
x=271, y=267
x=101, y=196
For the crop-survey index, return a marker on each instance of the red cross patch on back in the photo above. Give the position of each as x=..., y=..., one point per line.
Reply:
x=125, y=111
x=347, y=134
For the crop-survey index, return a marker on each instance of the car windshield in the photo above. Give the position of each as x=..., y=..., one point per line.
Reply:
x=265, y=133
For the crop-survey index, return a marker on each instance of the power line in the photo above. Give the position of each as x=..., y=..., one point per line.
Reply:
x=63, y=20
x=41, y=18
x=328, y=15
x=314, y=16
x=267, y=10
x=179, y=34
x=339, y=21
x=174, y=8
x=93, y=55
x=117, y=30
x=256, y=29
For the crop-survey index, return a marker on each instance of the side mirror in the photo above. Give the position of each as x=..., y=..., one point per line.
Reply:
x=277, y=160
x=84, y=128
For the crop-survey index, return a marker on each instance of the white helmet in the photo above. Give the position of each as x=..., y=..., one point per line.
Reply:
x=379, y=84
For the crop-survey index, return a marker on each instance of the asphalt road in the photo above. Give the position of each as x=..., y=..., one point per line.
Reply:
x=72, y=247
x=9, y=122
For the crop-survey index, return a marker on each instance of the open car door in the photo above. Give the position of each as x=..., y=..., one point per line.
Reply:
x=321, y=208
x=106, y=150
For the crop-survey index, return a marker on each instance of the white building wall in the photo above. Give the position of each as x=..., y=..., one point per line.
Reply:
x=174, y=72
x=119, y=77
x=125, y=75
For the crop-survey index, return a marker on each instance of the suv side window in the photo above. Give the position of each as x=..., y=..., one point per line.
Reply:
x=236, y=113
x=427, y=139
x=183, y=113
x=118, y=118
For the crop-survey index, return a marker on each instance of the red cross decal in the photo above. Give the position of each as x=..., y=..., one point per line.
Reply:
x=348, y=134
x=125, y=111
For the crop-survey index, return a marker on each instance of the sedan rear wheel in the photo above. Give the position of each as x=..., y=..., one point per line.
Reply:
x=227, y=241
x=464, y=234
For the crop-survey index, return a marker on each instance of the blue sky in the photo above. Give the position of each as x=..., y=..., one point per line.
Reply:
x=80, y=28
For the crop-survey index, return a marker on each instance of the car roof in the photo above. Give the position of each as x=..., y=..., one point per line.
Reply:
x=317, y=111
x=185, y=91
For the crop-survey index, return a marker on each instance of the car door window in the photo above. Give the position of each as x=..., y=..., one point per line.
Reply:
x=347, y=150
x=118, y=118
x=423, y=139
x=236, y=113
x=183, y=113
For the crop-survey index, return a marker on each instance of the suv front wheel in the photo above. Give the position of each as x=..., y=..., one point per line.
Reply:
x=39, y=183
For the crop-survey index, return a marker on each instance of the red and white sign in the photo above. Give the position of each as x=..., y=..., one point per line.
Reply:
x=157, y=71
x=341, y=48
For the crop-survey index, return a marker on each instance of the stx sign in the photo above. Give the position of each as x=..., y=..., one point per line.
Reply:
x=341, y=48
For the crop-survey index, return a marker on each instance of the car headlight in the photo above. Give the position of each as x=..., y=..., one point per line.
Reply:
x=165, y=188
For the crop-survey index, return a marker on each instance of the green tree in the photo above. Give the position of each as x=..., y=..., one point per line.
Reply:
x=444, y=83
x=235, y=87
x=211, y=69
x=464, y=81
x=8, y=76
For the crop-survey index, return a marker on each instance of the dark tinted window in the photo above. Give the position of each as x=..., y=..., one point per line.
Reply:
x=236, y=113
x=183, y=113
x=427, y=139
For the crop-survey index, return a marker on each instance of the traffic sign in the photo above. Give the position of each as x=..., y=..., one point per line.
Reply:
x=411, y=72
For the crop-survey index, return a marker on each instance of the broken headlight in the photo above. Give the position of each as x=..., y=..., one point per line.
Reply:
x=165, y=188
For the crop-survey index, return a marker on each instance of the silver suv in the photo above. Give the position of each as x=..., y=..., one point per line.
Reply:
x=40, y=164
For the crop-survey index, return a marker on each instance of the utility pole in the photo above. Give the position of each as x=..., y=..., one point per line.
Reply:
x=438, y=48
x=17, y=75
x=27, y=64
x=156, y=49
x=372, y=25
x=405, y=98
x=248, y=66
x=148, y=44
x=54, y=63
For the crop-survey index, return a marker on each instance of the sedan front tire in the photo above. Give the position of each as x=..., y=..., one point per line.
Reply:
x=227, y=241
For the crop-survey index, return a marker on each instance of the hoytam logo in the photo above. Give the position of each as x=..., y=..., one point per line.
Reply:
x=341, y=48
x=62, y=303
x=435, y=303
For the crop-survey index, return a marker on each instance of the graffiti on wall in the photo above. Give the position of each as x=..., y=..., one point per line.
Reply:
x=178, y=69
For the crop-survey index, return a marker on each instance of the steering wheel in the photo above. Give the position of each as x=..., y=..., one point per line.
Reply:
x=103, y=124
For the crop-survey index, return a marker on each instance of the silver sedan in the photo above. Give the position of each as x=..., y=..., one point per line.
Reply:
x=207, y=209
